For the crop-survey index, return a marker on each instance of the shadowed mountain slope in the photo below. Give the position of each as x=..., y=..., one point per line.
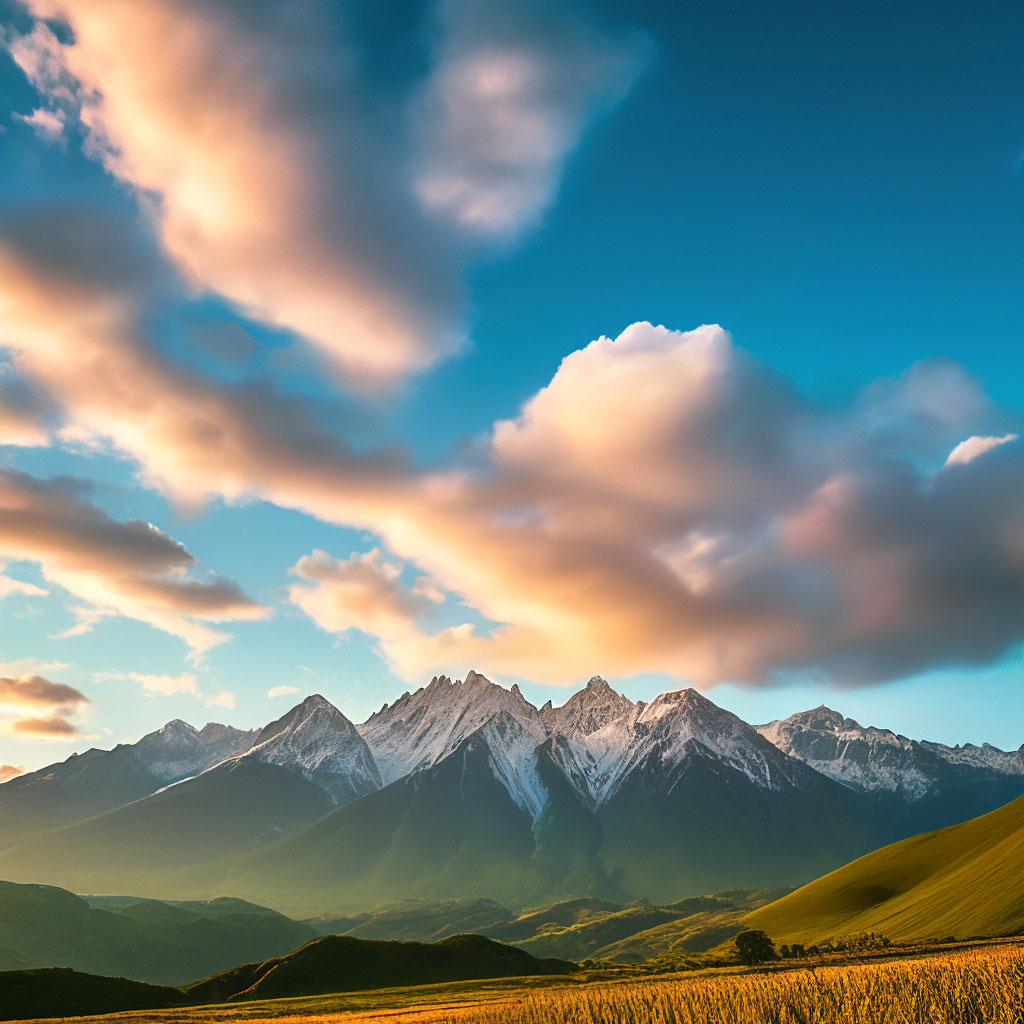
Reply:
x=100, y=780
x=62, y=992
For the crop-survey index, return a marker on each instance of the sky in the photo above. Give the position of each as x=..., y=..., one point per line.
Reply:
x=343, y=344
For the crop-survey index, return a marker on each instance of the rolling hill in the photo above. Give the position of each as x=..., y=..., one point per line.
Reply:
x=145, y=940
x=61, y=992
x=337, y=963
x=960, y=881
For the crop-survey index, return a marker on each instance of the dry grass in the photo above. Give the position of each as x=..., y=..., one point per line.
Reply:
x=982, y=985
x=971, y=987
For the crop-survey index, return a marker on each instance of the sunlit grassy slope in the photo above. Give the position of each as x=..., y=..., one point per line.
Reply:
x=961, y=881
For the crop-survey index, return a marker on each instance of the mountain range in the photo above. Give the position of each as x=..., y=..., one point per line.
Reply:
x=466, y=789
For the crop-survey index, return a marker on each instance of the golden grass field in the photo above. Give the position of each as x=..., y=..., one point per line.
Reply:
x=980, y=985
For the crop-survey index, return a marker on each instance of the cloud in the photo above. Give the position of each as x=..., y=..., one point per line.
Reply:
x=31, y=666
x=282, y=691
x=362, y=592
x=667, y=503
x=9, y=771
x=967, y=451
x=49, y=125
x=128, y=568
x=76, y=288
x=277, y=174
x=10, y=586
x=22, y=411
x=54, y=727
x=35, y=705
x=240, y=127
x=511, y=90
x=223, y=699
x=165, y=685
x=31, y=690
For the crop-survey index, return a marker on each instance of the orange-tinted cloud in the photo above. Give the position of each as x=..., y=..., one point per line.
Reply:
x=51, y=707
x=9, y=771
x=237, y=125
x=47, y=727
x=666, y=503
x=245, y=131
x=128, y=568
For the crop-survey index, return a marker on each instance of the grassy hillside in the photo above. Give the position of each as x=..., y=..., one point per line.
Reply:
x=162, y=943
x=337, y=963
x=583, y=929
x=961, y=881
x=61, y=992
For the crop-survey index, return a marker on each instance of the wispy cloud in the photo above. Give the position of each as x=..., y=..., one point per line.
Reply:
x=167, y=685
x=125, y=568
x=512, y=87
x=47, y=124
x=37, y=706
x=282, y=691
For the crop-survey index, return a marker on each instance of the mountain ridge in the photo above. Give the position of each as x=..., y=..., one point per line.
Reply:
x=598, y=797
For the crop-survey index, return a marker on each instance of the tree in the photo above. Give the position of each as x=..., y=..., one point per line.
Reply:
x=754, y=947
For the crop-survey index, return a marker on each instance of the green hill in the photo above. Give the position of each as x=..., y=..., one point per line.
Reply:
x=337, y=963
x=61, y=992
x=962, y=881
x=161, y=943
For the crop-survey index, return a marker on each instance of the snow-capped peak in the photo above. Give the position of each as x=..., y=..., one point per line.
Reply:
x=421, y=728
x=317, y=740
x=869, y=758
x=681, y=724
x=178, y=750
x=593, y=708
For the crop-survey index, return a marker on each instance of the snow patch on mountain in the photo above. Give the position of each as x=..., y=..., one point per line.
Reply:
x=315, y=739
x=1002, y=762
x=681, y=724
x=179, y=750
x=593, y=731
x=879, y=760
x=421, y=728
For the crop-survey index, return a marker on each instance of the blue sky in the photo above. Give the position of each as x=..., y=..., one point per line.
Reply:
x=838, y=185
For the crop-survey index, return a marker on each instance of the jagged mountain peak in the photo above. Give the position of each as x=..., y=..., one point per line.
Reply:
x=315, y=739
x=595, y=707
x=423, y=727
x=874, y=759
x=178, y=750
x=313, y=709
x=686, y=701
